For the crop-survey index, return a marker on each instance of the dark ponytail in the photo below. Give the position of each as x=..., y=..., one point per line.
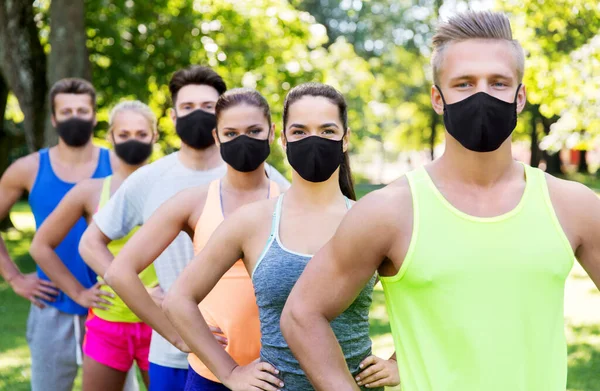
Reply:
x=325, y=91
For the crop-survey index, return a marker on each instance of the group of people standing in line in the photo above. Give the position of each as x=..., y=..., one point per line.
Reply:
x=210, y=271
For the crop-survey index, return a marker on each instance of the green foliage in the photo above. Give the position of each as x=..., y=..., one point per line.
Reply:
x=562, y=43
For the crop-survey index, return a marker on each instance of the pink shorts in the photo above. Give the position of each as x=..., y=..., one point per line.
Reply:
x=117, y=344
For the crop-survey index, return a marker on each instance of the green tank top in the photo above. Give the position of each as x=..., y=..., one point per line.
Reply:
x=478, y=302
x=118, y=311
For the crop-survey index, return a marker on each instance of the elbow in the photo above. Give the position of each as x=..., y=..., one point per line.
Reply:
x=168, y=306
x=292, y=319
x=35, y=249
x=85, y=247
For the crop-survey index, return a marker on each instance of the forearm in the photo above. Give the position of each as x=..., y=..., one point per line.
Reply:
x=314, y=344
x=8, y=269
x=95, y=253
x=126, y=283
x=56, y=270
x=193, y=329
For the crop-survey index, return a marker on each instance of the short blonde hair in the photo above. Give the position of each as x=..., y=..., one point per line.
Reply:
x=474, y=25
x=136, y=106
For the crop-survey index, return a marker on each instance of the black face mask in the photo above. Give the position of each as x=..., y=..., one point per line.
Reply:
x=315, y=158
x=195, y=129
x=133, y=152
x=75, y=132
x=245, y=153
x=481, y=122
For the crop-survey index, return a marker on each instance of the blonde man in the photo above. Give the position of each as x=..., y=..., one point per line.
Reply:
x=473, y=250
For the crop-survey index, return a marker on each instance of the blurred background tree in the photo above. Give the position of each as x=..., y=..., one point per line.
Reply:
x=375, y=51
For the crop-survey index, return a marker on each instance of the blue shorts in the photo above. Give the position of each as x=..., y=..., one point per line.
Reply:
x=196, y=382
x=166, y=378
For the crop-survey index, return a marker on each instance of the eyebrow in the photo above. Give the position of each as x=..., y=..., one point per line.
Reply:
x=201, y=103
x=247, y=127
x=326, y=125
x=493, y=76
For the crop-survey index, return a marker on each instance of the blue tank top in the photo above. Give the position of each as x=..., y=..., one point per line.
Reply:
x=274, y=276
x=47, y=192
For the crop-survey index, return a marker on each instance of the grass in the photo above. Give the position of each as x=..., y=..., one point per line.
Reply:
x=584, y=340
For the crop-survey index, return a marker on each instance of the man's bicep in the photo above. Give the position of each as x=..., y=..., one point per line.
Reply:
x=588, y=252
x=340, y=270
x=12, y=185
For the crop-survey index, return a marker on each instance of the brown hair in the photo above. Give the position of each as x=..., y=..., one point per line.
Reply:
x=72, y=86
x=195, y=74
x=335, y=97
x=474, y=25
x=242, y=96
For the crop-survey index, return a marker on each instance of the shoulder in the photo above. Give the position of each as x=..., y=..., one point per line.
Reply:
x=190, y=199
x=389, y=203
x=90, y=185
x=23, y=170
x=575, y=199
x=253, y=214
x=569, y=192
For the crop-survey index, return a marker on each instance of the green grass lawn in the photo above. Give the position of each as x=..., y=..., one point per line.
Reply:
x=584, y=340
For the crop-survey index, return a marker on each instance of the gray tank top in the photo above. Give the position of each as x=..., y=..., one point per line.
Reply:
x=274, y=276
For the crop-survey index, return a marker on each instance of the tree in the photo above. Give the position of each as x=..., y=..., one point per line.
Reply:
x=23, y=64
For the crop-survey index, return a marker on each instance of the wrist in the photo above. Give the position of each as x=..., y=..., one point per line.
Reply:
x=228, y=374
x=13, y=277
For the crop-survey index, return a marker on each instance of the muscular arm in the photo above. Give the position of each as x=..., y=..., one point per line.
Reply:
x=181, y=304
x=140, y=252
x=330, y=283
x=586, y=215
x=52, y=232
x=16, y=179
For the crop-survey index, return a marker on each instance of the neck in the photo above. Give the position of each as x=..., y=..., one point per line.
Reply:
x=200, y=159
x=312, y=193
x=75, y=155
x=245, y=181
x=481, y=169
x=123, y=170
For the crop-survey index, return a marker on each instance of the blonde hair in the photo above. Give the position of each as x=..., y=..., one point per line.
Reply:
x=136, y=106
x=474, y=25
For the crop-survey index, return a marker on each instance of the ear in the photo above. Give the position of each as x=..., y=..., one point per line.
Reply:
x=272, y=134
x=154, y=137
x=95, y=120
x=283, y=140
x=173, y=116
x=214, y=134
x=436, y=100
x=521, y=99
x=346, y=140
x=53, y=120
x=108, y=137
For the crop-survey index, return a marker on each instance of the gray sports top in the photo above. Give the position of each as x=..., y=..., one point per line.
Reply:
x=274, y=276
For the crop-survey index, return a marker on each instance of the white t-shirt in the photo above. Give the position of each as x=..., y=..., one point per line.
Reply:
x=135, y=201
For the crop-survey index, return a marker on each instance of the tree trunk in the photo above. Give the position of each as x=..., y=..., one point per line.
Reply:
x=583, y=166
x=69, y=56
x=5, y=144
x=23, y=64
x=554, y=164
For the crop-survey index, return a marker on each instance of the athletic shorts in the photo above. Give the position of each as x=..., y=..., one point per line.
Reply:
x=166, y=378
x=117, y=344
x=196, y=382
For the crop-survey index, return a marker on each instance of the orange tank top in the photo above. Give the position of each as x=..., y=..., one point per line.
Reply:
x=230, y=305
